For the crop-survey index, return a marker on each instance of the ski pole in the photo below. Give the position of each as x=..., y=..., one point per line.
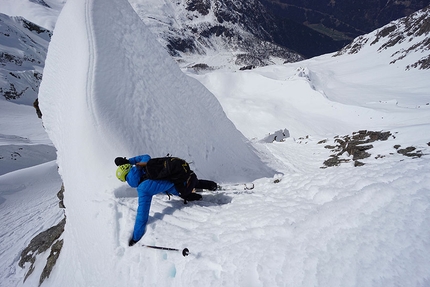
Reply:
x=185, y=251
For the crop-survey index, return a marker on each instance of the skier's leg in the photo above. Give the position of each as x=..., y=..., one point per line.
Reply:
x=146, y=190
x=206, y=184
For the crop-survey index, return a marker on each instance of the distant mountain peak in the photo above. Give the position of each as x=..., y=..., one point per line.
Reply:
x=22, y=57
x=204, y=27
x=402, y=38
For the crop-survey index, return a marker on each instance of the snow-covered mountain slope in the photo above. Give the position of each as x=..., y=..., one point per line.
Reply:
x=306, y=226
x=339, y=94
x=109, y=90
x=235, y=30
x=406, y=39
x=25, y=31
x=28, y=206
x=23, y=140
x=351, y=90
x=43, y=13
x=23, y=49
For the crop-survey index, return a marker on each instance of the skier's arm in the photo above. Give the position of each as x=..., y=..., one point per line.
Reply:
x=139, y=159
x=141, y=164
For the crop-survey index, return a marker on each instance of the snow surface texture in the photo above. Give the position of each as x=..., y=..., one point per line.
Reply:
x=42, y=12
x=28, y=206
x=23, y=141
x=135, y=98
x=343, y=226
x=126, y=97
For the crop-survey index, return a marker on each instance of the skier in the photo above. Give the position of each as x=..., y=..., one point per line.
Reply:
x=133, y=171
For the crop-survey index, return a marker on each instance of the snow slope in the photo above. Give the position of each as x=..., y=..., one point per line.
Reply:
x=23, y=140
x=28, y=206
x=368, y=87
x=305, y=226
x=339, y=95
x=110, y=90
x=42, y=12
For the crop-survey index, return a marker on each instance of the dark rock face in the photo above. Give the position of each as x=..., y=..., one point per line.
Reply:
x=36, y=106
x=201, y=6
x=51, y=260
x=40, y=244
x=60, y=196
x=176, y=43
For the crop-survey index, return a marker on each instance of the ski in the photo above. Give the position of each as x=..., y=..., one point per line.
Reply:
x=231, y=187
x=237, y=186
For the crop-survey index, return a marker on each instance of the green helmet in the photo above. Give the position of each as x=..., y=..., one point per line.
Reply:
x=122, y=171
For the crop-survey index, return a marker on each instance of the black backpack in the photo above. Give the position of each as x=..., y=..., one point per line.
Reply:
x=173, y=169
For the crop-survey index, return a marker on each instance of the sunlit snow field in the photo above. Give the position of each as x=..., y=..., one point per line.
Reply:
x=301, y=224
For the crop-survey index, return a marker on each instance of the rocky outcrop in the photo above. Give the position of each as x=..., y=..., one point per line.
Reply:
x=41, y=243
x=60, y=196
x=51, y=260
x=409, y=151
x=49, y=238
x=36, y=106
x=358, y=146
x=355, y=146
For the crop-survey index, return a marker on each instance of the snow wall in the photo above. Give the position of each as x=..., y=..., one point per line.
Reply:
x=109, y=89
x=106, y=66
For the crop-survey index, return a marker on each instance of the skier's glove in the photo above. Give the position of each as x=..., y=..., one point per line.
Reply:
x=131, y=242
x=121, y=160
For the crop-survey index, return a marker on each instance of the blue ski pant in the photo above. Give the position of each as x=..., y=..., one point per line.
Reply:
x=146, y=190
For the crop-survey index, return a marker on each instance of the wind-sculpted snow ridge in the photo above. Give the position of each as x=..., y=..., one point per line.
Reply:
x=110, y=90
x=137, y=99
